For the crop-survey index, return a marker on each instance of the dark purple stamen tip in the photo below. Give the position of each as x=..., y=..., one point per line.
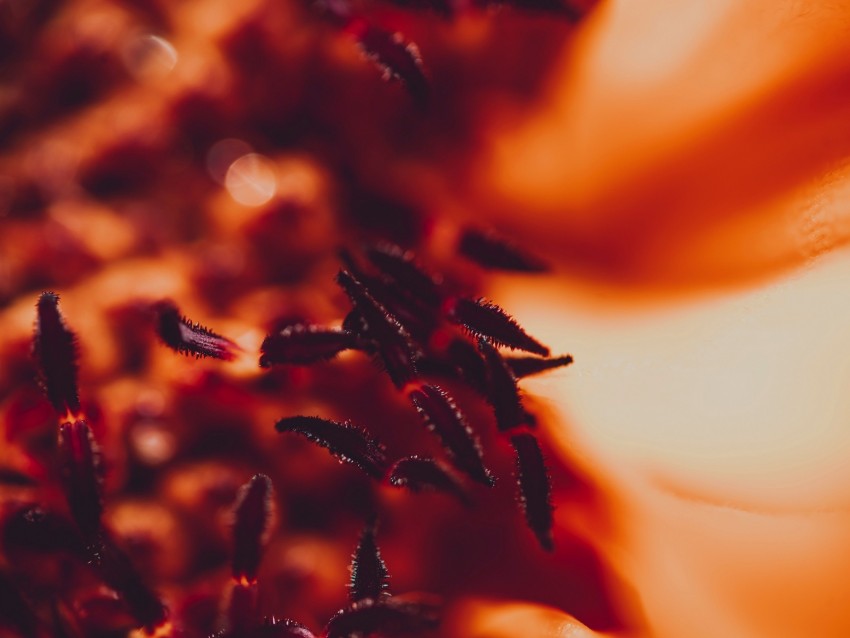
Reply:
x=502, y=389
x=79, y=460
x=420, y=474
x=468, y=364
x=444, y=418
x=399, y=265
x=252, y=519
x=386, y=617
x=56, y=352
x=344, y=441
x=186, y=337
x=396, y=349
x=487, y=320
x=535, y=489
x=495, y=253
x=304, y=344
x=397, y=60
x=368, y=571
x=526, y=366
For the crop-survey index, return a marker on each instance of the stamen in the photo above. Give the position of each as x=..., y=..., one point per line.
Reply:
x=444, y=418
x=79, y=460
x=421, y=474
x=397, y=350
x=56, y=352
x=345, y=441
x=185, y=337
x=251, y=526
x=484, y=319
x=502, y=390
x=368, y=571
x=304, y=344
x=397, y=59
x=535, y=489
x=526, y=366
x=399, y=265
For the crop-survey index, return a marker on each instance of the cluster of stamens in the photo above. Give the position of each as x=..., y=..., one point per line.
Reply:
x=418, y=331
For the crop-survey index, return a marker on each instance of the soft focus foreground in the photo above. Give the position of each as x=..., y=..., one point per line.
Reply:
x=682, y=166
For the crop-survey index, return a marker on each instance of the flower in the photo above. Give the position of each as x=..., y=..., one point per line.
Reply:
x=681, y=164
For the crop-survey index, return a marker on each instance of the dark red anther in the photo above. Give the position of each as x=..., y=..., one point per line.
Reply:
x=417, y=318
x=535, y=489
x=486, y=320
x=397, y=59
x=389, y=617
x=345, y=441
x=444, y=418
x=56, y=352
x=397, y=350
x=402, y=302
x=400, y=266
x=186, y=337
x=79, y=460
x=496, y=253
x=526, y=366
x=251, y=526
x=420, y=474
x=304, y=344
x=368, y=572
x=468, y=364
x=502, y=389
